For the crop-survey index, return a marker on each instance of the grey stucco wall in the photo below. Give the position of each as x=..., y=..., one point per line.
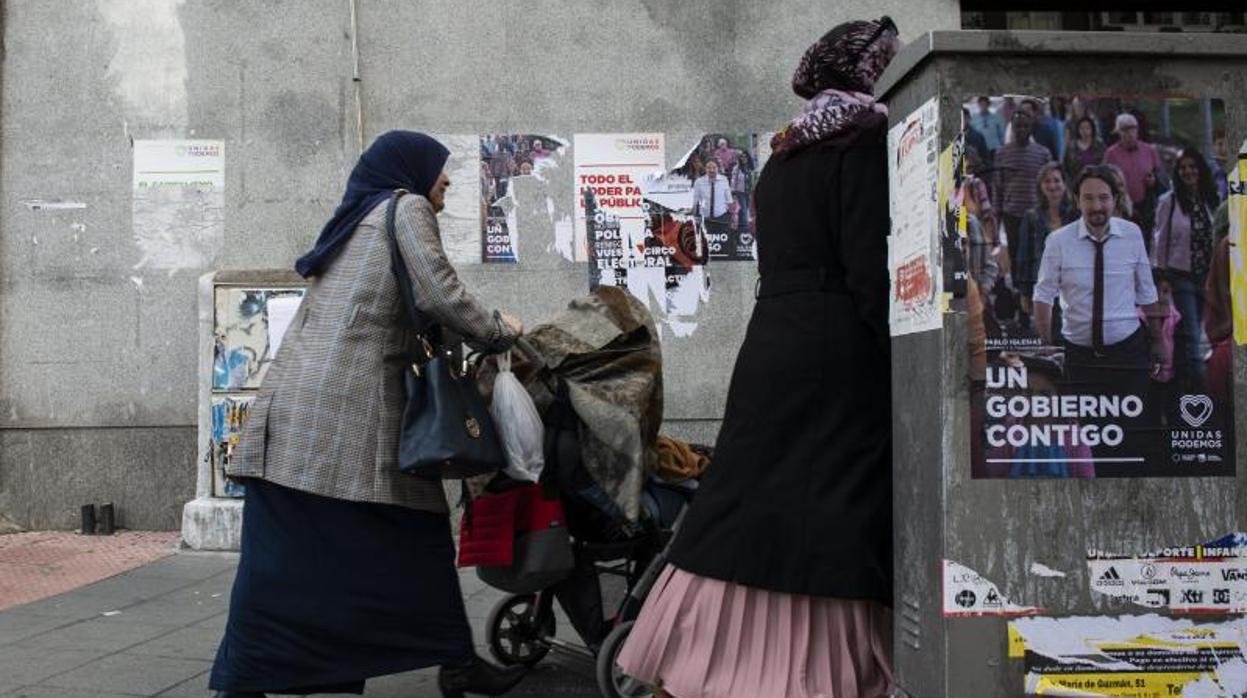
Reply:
x=98, y=353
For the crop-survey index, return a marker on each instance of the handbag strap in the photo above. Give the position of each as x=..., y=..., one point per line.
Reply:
x=422, y=323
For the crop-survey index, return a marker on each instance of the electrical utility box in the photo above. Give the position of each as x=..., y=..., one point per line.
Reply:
x=1068, y=509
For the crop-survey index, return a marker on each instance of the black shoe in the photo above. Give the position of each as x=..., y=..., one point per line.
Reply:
x=236, y=694
x=477, y=676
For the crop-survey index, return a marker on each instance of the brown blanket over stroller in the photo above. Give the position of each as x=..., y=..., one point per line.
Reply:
x=604, y=347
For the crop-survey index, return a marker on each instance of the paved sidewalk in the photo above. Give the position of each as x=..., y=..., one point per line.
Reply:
x=153, y=631
x=37, y=565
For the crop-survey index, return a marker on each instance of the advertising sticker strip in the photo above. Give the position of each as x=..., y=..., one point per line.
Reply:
x=1209, y=578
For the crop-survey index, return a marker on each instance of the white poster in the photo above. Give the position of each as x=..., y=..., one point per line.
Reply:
x=178, y=203
x=913, y=246
x=611, y=167
x=967, y=593
x=1207, y=578
x=281, y=312
x=460, y=221
x=1147, y=656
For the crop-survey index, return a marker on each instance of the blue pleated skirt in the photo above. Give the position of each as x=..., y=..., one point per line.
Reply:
x=330, y=592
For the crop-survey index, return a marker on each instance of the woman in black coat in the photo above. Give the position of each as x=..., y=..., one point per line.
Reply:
x=781, y=575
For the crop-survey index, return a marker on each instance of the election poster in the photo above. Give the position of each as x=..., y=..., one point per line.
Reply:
x=504, y=159
x=610, y=167
x=722, y=169
x=1101, y=348
x=662, y=263
x=178, y=203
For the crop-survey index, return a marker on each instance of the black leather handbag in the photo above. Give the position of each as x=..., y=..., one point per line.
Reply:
x=446, y=431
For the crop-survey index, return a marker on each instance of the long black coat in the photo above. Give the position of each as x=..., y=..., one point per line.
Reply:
x=799, y=496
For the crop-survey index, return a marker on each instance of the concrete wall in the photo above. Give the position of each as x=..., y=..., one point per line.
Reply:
x=98, y=350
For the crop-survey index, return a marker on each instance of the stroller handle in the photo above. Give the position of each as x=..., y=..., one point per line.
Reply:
x=528, y=350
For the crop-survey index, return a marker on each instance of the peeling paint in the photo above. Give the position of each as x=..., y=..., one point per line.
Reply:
x=1042, y=570
x=149, y=65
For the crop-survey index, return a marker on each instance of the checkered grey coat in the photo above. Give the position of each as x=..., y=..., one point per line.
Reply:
x=326, y=419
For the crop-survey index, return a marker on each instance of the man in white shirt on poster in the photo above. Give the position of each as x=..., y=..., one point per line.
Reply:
x=1099, y=268
x=712, y=200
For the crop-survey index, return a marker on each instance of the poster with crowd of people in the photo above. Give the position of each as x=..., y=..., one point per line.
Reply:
x=1095, y=241
x=503, y=158
x=722, y=169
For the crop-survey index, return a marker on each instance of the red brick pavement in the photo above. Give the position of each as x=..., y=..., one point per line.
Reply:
x=34, y=566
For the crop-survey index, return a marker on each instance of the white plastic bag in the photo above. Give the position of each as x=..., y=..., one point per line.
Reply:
x=518, y=424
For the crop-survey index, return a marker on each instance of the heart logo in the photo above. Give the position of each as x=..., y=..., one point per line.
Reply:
x=1196, y=409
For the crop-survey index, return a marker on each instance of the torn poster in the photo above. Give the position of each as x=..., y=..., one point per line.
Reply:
x=612, y=166
x=247, y=333
x=913, y=246
x=229, y=413
x=967, y=593
x=663, y=262
x=953, y=225
x=529, y=208
x=462, y=220
x=764, y=148
x=1237, y=245
x=1041, y=570
x=281, y=311
x=723, y=170
x=1207, y=578
x=506, y=158
x=178, y=207
x=1132, y=656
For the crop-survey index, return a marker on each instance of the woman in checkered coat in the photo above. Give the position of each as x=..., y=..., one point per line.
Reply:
x=347, y=568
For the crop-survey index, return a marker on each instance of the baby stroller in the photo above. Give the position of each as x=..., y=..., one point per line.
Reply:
x=605, y=545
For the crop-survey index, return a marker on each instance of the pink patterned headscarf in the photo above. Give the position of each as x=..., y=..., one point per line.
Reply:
x=837, y=75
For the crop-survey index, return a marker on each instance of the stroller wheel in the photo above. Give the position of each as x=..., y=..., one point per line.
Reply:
x=612, y=682
x=515, y=636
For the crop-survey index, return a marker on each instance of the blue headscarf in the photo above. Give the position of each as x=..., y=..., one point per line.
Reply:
x=397, y=160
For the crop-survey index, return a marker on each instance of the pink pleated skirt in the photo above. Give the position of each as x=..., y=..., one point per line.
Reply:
x=706, y=638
